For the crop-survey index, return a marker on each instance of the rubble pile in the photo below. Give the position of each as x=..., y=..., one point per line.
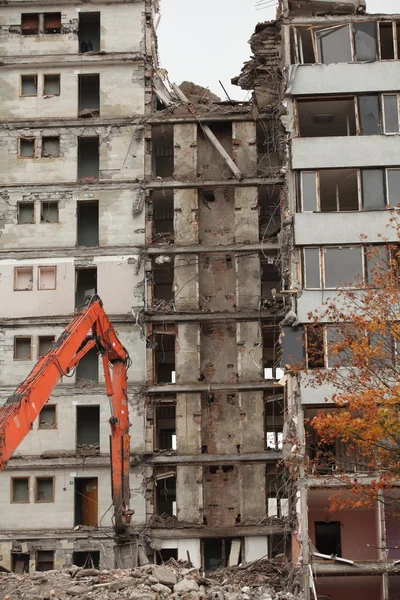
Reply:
x=261, y=580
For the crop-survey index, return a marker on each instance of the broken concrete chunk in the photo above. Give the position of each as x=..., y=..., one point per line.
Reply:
x=77, y=590
x=165, y=576
x=186, y=585
x=121, y=584
x=161, y=589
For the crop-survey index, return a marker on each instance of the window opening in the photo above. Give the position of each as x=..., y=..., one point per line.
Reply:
x=386, y=40
x=305, y=46
x=165, y=427
x=312, y=271
x=23, y=279
x=88, y=223
x=365, y=40
x=89, y=95
x=19, y=489
x=373, y=190
x=52, y=22
x=45, y=343
x=165, y=493
x=86, y=284
x=47, y=278
x=30, y=24
x=327, y=538
x=163, y=150
x=163, y=280
x=334, y=44
x=343, y=266
x=50, y=147
x=48, y=417
x=51, y=85
x=89, y=32
x=163, y=555
x=277, y=490
x=86, y=501
x=326, y=118
x=44, y=560
x=391, y=113
x=20, y=562
x=338, y=189
x=88, y=158
x=164, y=358
x=27, y=147
x=163, y=215
x=315, y=347
x=88, y=367
x=22, y=348
x=44, y=489
x=88, y=429
x=25, y=213
x=221, y=552
x=49, y=212
x=337, y=359
x=370, y=114
x=274, y=417
x=393, y=183
x=87, y=559
x=28, y=85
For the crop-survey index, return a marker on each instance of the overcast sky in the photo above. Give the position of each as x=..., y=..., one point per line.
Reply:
x=206, y=40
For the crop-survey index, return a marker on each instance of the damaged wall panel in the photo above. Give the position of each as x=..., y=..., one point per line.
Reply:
x=185, y=152
x=245, y=147
x=253, y=492
x=188, y=423
x=249, y=351
x=217, y=282
x=186, y=282
x=251, y=421
x=187, y=353
x=221, y=497
x=216, y=216
x=248, y=285
x=210, y=163
x=186, y=216
x=246, y=215
x=189, y=494
x=220, y=417
x=218, y=354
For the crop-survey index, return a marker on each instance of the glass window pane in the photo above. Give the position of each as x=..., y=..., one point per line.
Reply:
x=391, y=111
x=373, y=189
x=334, y=45
x=393, y=179
x=309, y=191
x=312, y=270
x=343, y=266
x=370, y=116
x=365, y=40
x=376, y=259
x=342, y=358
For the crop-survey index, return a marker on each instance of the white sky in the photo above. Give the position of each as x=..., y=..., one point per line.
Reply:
x=206, y=40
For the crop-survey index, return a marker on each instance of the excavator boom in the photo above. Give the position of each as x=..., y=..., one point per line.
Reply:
x=24, y=405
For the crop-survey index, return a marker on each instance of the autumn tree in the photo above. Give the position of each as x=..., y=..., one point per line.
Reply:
x=358, y=332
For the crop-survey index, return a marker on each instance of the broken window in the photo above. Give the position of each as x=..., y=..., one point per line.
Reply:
x=44, y=560
x=164, y=358
x=89, y=95
x=25, y=212
x=315, y=347
x=343, y=266
x=271, y=353
x=386, y=40
x=47, y=278
x=370, y=114
x=44, y=489
x=48, y=417
x=23, y=279
x=277, y=493
x=327, y=538
x=49, y=212
x=51, y=85
x=312, y=269
x=391, y=113
x=88, y=158
x=338, y=190
x=165, y=493
x=27, y=147
x=52, y=22
x=89, y=32
x=163, y=214
x=28, y=85
x=88, y=429
x=334, y=44
x=45, y=343
x=365, y=41
x=303, y=45
x=87, y=369
x=50, y=147
x=86, y=501
x=88, y=559
x=309, y=197
x=22, y=348
x=373, y=190
x=165, y=431
x=393, y=186
x=20, y=562
x=88, y=223
x=30, y=24
x=86, y=284
x=163, y=150
x=326, y=118
x=19, y=489
x=221, y=552
x=274, y=417
x=163, y=280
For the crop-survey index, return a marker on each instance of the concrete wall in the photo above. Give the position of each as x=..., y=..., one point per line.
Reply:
x=121, y=25
x=351, y=151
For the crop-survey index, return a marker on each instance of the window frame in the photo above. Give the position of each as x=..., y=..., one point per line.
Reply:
x=43, y=31
x=322, y=266
x=16, y=269
x=37, y=14
x=38, y=343
x=387, y=191
x=12, y=478
x=18, y=213
x=40, y=267
x=32, y=138
x=55, y=414
x=384, y=113
x=50, y=156
x=339, y=25
x=37, y=477
x=35, y=75
x=24, y=337
x=42, y=221
x=44, y=84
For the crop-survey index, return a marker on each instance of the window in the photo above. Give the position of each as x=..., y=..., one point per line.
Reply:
x=87, y=559
x=28, y=85
x=50, y=147
x=221, y=552
x=44, y=489
x=365, y=41
x=393, y=187
x=88, y=366
x=25, y=213
x=391, y=113
x=22, y=348
x=45, y=343
x=312, y=269
x=373, y=189
x=89, y=32
x=48, y=417
x=49, y=212
x=19, y=490
x=165, y=434
x=162, y=150
x=330, y=190
x=88, y=223
x=30, y=24
x=20, y=562
x=52, y=22
x=327, y=538
x=47, y=278
x=315, y=347
x=338, y=266
x=326, y=117
x=23, y=279
x=163, y=214
x=27, y=147
x=51, y=85
x=88, y=427
x=164, y=358
x=333, y=44
x=386, y=40
x=86, y=284
x=89, y=95
x=44, y=560
x=88, y=158
x=370, y=114
x=165, y=493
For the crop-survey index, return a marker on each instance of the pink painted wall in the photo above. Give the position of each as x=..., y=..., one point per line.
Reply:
x=362, y=590
x=358, y=528
x=393, y=535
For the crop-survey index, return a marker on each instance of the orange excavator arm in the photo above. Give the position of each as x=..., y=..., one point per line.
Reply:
x=23, y=406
